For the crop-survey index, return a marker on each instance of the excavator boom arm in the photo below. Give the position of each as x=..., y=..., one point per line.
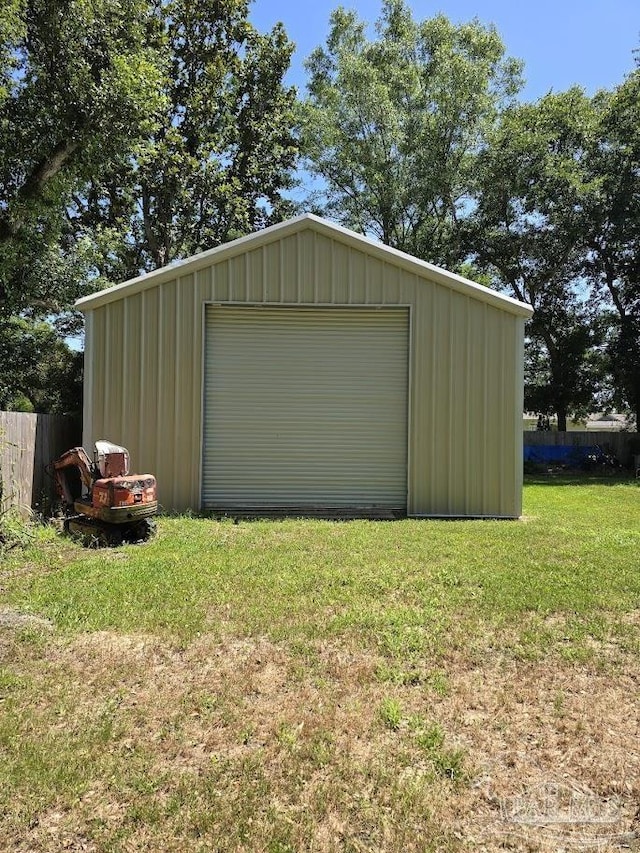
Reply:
x=77, y=459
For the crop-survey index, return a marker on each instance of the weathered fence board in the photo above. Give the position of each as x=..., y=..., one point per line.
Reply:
x=28, y=442
x=622, y=445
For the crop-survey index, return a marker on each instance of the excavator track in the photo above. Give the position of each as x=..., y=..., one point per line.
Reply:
x=95, y=534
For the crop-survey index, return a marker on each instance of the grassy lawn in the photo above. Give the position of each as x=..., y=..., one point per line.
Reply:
x=306, y=685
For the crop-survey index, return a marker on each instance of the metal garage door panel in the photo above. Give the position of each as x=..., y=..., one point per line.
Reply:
x=305, y=408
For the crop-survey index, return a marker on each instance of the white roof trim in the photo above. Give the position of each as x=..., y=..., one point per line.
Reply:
x=283, y=229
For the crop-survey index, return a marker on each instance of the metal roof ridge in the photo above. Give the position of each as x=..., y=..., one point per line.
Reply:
x=331, y=229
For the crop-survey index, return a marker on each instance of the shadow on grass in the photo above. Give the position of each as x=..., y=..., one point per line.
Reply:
x=580, y=478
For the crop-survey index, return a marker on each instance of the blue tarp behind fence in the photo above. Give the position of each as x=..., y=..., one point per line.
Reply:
x=557, y=454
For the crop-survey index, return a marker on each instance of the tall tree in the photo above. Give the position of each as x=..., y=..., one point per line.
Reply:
x=393, y=125
x=217, y=164
x=132, y=133
x=527, y=231
x=610, y=217
x=78, y=85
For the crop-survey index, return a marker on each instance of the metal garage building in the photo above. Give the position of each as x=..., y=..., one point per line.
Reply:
x=308, y=369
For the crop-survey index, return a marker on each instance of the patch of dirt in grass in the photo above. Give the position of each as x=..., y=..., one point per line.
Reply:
x=13, y=625
x=632, y=617
x=244, y=744
x=532, y=727
x=12, y=619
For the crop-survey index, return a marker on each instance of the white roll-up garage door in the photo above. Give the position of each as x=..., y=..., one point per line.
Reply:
x=305, y=409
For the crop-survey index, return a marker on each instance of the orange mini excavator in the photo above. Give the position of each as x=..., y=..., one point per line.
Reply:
x=104, y=503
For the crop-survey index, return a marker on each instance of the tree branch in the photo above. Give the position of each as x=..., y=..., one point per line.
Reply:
x=35, y=183
x=47, y=169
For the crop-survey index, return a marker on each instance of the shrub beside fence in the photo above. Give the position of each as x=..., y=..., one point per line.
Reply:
x=29, y=442
x=622, y=445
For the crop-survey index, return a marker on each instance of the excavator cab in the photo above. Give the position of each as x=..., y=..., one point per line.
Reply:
x=110, y=460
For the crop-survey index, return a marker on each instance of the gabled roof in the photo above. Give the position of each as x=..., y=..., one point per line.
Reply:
x=291, y=226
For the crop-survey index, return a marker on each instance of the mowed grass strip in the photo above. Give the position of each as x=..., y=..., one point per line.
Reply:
x=290, y=685
x=574, y=555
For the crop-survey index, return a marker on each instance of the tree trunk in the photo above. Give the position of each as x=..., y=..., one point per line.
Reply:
x=562, y=420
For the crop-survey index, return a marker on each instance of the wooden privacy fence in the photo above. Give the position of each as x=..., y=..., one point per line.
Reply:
x=28, y=442
x=622, y=445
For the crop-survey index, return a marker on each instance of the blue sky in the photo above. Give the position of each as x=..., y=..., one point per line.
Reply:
x=562, y=42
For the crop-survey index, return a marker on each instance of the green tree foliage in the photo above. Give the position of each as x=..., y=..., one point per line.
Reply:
x=39, y=371
x=217, y=163
x=78, y=84
x=610, y=219
x=393, y=125
x=527, y=231
x=557, y=224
